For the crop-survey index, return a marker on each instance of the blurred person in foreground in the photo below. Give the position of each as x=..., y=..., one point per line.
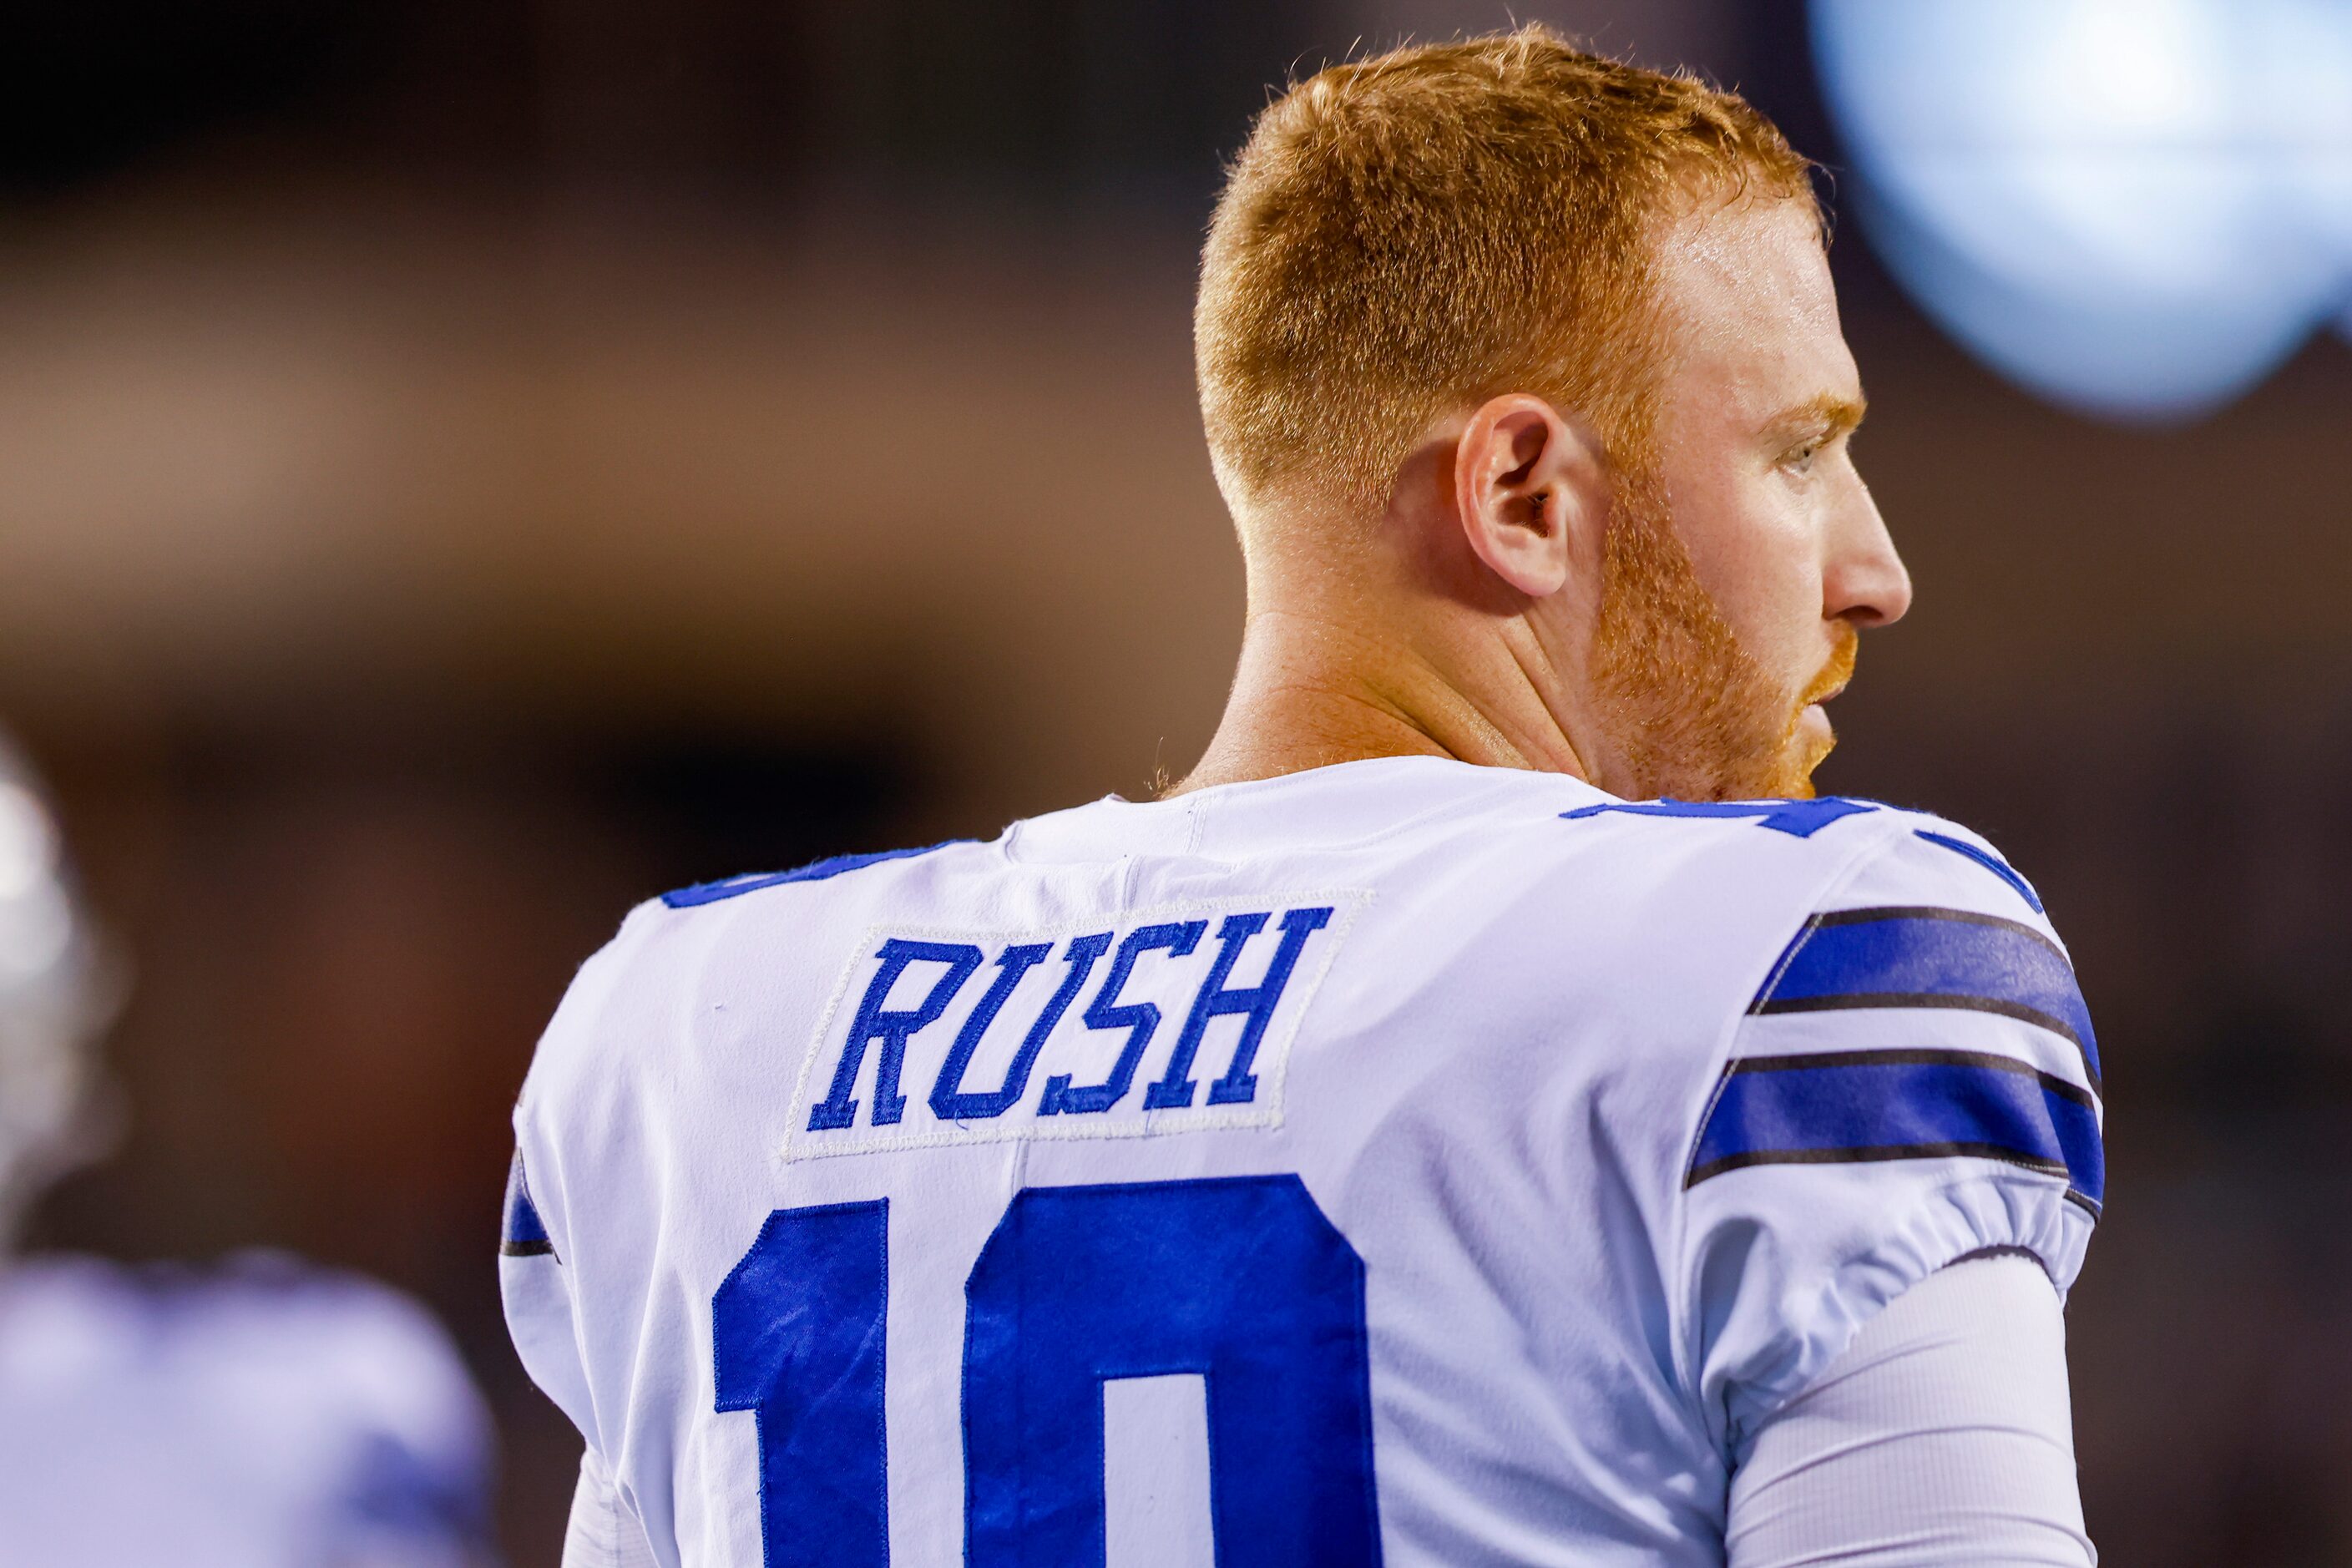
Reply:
x=1490, y=1112
x=256, y=1414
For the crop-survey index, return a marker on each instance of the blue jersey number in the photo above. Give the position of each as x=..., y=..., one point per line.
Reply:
x=1241, y=1281
x=797, y=1341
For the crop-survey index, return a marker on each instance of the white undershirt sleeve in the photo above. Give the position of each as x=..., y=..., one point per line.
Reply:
x=604, y=1532
x=1941, y=1437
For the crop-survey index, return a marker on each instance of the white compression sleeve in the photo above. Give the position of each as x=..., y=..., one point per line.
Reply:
x=1941, y=1437
x=602, y=1533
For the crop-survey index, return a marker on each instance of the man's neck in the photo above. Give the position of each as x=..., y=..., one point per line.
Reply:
x=1312, y=692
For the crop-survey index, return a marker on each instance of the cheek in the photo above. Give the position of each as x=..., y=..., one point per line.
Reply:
x=1755, y=548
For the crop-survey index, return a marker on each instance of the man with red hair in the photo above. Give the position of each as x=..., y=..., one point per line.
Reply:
x=1490, y=1112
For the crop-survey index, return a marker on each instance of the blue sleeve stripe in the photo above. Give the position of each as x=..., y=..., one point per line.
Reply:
x=815, y=871
x=1914, y=957
x=522, y=1234
x=1847, y=1107
x=1992, y=863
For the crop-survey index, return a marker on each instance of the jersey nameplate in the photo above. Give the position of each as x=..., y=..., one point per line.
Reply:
x=1170, y=1020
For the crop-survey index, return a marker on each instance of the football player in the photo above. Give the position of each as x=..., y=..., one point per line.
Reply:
x=1490, y=1112
x=259, y=1414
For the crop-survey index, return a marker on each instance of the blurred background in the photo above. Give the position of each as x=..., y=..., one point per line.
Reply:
x=467, y=465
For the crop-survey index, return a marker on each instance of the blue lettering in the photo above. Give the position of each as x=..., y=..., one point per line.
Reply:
x=1255, y=1003
x=949, y=1102
x=891, y=1027
x=1139, y=1019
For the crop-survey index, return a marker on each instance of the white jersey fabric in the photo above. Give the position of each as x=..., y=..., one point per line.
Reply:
x=261, y=1414
x=1940, y=1439
x=1400, y=1161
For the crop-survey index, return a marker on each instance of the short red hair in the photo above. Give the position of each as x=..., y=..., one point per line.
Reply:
x=1412, y=234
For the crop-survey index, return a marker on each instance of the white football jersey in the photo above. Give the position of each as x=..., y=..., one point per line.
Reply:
x=260, y=1414
x=1402, y=1162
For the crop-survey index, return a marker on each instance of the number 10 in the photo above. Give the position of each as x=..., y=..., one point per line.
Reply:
x=1241, y=1281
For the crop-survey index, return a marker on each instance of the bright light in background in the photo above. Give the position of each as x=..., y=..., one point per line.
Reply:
x=35, y=922
x=2133, y=207
x=28, y=845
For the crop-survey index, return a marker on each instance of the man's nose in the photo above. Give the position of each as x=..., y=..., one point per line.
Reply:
x=1866, y=582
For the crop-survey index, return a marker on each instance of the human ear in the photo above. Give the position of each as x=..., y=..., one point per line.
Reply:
x=1527, y=484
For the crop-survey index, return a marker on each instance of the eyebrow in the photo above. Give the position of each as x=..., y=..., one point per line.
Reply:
x=1829, y=414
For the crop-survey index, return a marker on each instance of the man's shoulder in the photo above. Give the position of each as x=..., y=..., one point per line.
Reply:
x=628, y=992
x=265, y=1399
x=1914, y=1078
x=1663, y=862
x=828, y=869
x=1718, y=911
x=262, y=1320
x=1881, y=848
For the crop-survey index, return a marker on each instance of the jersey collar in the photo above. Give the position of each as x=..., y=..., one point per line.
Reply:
x=1342, y=804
